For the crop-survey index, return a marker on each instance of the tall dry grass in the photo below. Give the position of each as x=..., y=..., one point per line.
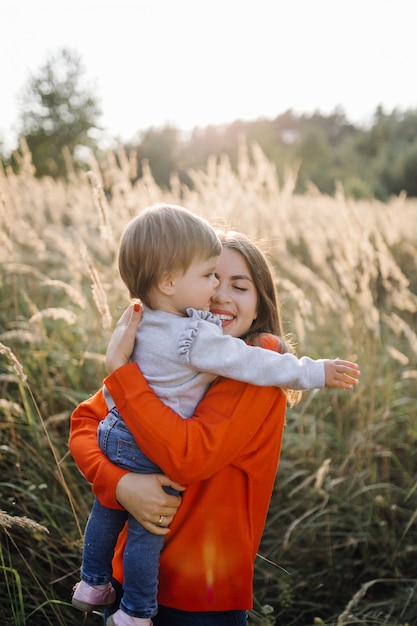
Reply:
x=339, y=544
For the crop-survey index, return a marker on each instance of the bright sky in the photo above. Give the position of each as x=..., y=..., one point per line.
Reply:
x=195, y=62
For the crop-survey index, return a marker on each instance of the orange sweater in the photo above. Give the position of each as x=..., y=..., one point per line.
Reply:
x=227, y=455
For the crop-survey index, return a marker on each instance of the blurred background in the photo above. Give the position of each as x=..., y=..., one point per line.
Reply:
x=326, y=86
x=295, y=122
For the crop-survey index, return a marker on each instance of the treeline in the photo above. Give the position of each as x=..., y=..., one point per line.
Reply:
x=59, y=115
x=377, y=161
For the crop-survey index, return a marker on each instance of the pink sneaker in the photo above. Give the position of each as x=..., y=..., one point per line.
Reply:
x=120, y=618
x=89, y=597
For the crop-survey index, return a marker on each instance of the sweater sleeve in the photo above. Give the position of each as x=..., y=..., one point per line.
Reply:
x=209, y=350
x=83, y=445
x=193, y=449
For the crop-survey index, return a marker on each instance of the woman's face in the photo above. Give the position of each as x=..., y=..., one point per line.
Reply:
x=235, y=301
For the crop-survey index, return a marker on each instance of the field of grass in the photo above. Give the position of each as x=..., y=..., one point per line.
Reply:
x=340, y=543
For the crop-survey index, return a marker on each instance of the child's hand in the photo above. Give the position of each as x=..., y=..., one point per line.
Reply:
x=122, y=340
x=343, y=374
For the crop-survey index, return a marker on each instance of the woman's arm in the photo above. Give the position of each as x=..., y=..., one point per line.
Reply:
x=193, y=449
x=142, y=495
x=83, y=445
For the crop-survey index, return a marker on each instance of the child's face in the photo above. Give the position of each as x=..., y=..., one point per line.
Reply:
x=195, y=287
x=235, y=300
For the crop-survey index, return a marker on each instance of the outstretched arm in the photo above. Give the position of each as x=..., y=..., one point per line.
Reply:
x=195, y=448
x=337, y=372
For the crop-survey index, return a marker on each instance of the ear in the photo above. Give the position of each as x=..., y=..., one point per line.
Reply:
x=167, y=284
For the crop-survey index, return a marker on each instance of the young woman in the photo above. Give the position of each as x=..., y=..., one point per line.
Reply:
x=227, y=455
x=167, y=259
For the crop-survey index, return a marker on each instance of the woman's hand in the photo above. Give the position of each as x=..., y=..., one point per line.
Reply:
x=143, y=497
x=123, y=338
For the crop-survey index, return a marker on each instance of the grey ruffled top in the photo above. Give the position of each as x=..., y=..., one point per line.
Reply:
x=181, y=356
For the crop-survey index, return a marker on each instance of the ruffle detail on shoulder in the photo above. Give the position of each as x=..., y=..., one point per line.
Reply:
x=195, y=319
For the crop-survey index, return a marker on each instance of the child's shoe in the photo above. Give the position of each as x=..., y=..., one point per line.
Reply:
x=120, y=618
x=89, y=597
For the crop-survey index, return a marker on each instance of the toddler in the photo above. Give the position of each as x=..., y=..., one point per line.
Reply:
x=167, y=259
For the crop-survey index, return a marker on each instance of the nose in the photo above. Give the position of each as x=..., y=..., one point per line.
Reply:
x=221, y=294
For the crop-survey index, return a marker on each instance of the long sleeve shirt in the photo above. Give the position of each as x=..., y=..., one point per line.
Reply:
x=181, y=356
x=227, y=455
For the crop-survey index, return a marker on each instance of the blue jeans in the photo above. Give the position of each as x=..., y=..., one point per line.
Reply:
x=141, y=555
x=174, y=617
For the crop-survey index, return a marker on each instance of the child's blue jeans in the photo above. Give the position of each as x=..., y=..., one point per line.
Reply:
x=141, y=556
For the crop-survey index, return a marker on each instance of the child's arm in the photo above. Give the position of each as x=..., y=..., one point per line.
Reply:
x=207, y=349
x=227, y=356
x=335, y=375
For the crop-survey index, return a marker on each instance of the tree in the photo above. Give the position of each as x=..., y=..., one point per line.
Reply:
x=57, y=111
x=314, y=152
x=160, y=147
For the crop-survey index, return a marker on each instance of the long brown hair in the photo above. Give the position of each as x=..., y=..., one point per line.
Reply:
x=268, y=319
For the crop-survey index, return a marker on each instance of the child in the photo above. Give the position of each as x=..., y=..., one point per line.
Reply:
x=167, y=259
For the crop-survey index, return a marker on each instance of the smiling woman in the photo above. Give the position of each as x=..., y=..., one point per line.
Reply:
x=235, y=301
x=173, y=279
x=247, y=281
x=208, y=589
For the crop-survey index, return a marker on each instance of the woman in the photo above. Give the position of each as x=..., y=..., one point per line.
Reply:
x=227, y=455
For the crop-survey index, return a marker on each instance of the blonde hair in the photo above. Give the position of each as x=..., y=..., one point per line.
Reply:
x=163, y=238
